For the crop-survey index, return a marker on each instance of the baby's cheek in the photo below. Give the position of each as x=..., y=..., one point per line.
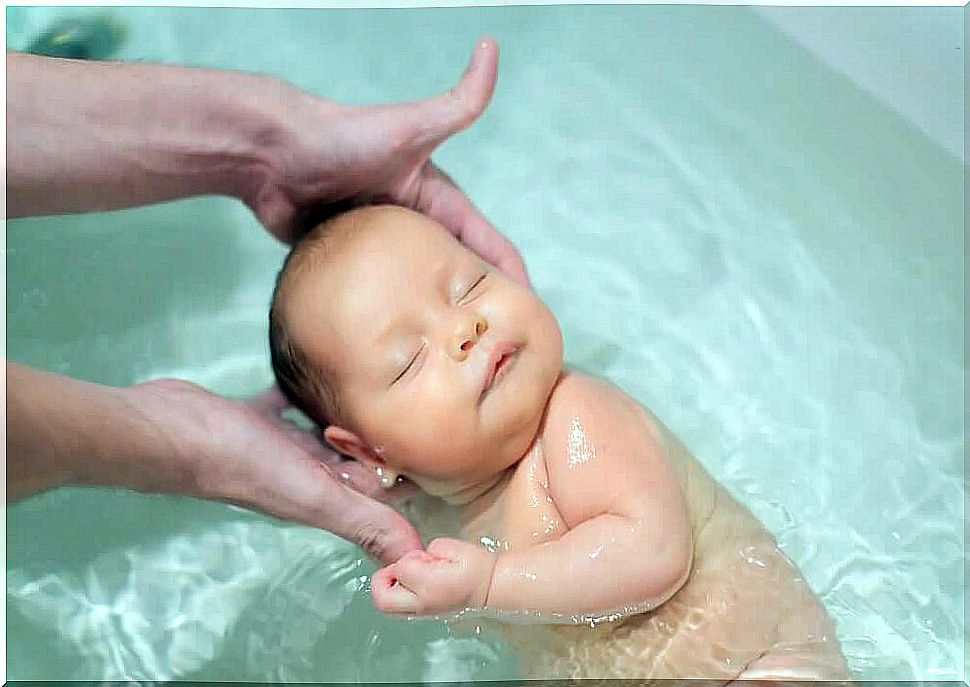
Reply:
x=546, y=335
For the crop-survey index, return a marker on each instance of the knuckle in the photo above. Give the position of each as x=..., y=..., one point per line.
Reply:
x=442, y=547
x=462, y=103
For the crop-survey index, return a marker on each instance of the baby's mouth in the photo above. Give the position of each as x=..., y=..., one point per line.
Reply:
x=500, y=358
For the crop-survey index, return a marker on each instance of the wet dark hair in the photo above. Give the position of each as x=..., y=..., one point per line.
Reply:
x=305, y=384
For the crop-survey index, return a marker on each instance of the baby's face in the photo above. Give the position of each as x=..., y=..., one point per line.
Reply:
x=413, y=325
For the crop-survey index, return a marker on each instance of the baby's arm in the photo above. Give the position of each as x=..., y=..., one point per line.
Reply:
x=628, y=545
x=629, y=540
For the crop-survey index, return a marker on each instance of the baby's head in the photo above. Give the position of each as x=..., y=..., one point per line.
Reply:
x=385, y=331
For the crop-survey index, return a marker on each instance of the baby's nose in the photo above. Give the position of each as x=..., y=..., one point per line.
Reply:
x=468, y=335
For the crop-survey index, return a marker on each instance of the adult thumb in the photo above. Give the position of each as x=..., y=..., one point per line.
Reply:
x=381, y=531
x=439, y=117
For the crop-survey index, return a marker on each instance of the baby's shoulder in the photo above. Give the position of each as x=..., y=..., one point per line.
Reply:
x=582, y=406
x=593, y=394
x=601, y=448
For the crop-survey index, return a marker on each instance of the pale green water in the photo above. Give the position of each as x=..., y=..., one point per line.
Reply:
x=765, y=256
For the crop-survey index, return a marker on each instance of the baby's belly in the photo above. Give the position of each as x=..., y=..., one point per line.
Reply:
x=742, y=598
x=718, y=622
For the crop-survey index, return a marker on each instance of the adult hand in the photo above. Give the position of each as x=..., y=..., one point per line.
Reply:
x=245, y=453
x=290, y=156
x=331, y=156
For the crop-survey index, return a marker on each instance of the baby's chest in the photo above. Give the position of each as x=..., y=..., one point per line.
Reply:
x=531, y=515
x=525, y=515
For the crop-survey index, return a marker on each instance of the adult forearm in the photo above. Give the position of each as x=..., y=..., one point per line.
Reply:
x=65, y=431
x=87, y=136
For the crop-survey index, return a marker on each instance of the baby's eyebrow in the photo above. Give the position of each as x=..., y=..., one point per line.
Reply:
x=385, y=331
x=440, y=282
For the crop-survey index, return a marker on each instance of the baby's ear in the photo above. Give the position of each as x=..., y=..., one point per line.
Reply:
x=346, y=442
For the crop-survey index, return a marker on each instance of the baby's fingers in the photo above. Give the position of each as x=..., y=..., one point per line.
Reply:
x=448, y=549
x=389, y=595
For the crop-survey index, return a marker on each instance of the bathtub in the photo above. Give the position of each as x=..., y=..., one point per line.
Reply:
x=741, y=236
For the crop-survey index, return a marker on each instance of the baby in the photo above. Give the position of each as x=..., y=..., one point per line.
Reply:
x=577, y=510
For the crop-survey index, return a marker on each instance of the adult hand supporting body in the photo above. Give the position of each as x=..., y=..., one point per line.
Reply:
x=85, y=136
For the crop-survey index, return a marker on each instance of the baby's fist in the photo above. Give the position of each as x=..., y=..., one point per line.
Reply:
x=450, y=576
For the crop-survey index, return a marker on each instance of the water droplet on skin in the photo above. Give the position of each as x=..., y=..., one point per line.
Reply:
x=578, y=449
x=748, y=555
x=492, y=545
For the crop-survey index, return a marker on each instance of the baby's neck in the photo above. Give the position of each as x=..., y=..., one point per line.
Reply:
x=484, y=491
x=486, y=517
x=483, y=497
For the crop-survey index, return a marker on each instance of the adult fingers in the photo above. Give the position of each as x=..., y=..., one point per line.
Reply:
x=303, y=489
x=350, y=472
x=436, y=118
x=378, y=529
x=276, y=213
x=441, y=199
x=271, y=401
x=364, y=480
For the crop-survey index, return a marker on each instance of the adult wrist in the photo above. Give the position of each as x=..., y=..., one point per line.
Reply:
x=64, y=431
x=119, y=444
x=161, y=457
x=256, y=135
x=126, y=134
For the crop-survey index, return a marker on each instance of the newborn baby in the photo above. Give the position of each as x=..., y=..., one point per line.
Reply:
x=576, y=509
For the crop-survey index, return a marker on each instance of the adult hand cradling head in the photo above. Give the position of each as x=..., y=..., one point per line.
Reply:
x=293, y=158
x=378, y=154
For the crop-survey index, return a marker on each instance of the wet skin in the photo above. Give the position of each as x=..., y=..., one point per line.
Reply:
x=567, y=499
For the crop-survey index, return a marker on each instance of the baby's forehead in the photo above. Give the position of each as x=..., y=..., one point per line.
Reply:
x=398, y=230
x=361, y=271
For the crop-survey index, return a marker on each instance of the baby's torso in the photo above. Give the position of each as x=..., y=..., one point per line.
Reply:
x=525, y=514
x=729, y=611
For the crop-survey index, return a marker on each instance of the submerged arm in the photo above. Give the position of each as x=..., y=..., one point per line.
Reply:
x=608, y=564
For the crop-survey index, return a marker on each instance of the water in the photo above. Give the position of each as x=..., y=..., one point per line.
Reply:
x=737, y=236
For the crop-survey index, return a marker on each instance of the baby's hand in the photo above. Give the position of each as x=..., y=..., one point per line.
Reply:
x=450, y=576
